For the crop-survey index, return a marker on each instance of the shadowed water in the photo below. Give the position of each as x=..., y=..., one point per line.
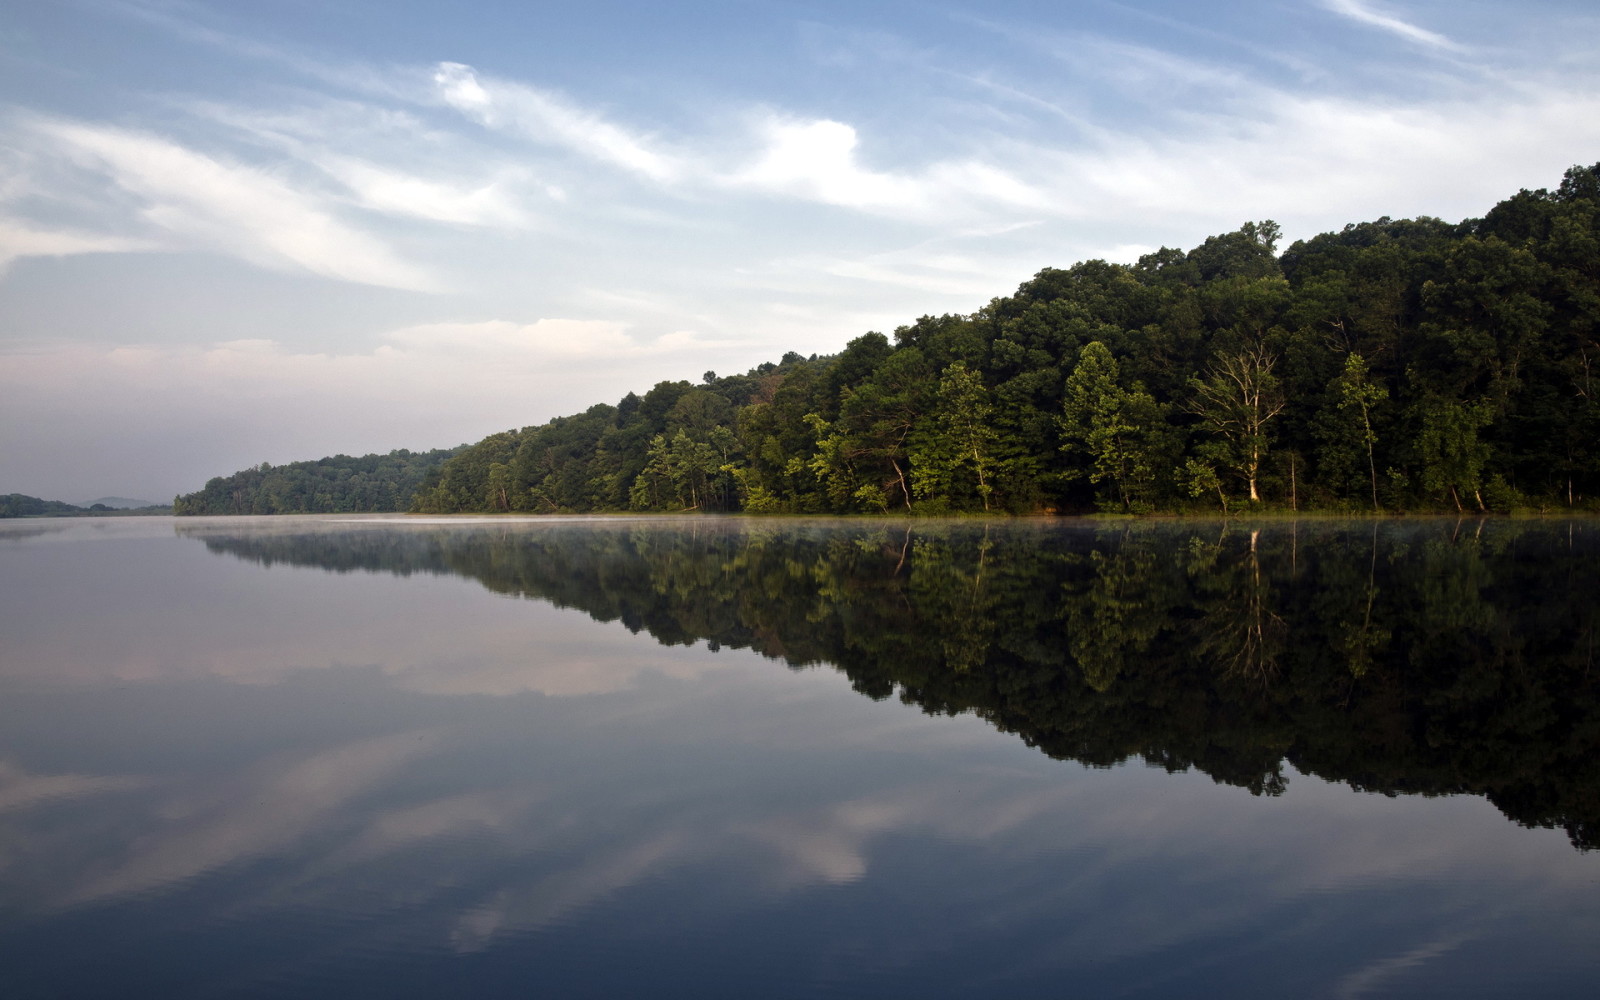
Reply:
x=330, y=757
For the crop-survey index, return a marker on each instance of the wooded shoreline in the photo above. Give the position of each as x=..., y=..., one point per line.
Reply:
x=1410, y=366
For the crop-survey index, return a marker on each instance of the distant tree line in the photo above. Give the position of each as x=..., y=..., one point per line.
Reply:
x=1393, y=365
x=337, y=485
x=22, y=505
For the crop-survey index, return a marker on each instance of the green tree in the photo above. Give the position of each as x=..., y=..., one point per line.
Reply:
x=958, y=441
x=1119, y=430
x=1453, y=455
x=499, y=487
x=879, y=415
x=1358, y=393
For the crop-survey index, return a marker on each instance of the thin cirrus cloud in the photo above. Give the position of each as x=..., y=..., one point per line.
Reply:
x=188, y=200
x=382, y=159
x=20, y=239
x=1367, y=14
x=398, y=193
x=1301, y=156
x=806, y=159
x=546, y=118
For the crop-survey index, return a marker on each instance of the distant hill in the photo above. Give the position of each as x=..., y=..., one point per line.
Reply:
x=121, y=503
x=338, y=484
x=22, y=505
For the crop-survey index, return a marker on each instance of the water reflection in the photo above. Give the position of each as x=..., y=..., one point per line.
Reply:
x=1430, y=657
x=331, y=763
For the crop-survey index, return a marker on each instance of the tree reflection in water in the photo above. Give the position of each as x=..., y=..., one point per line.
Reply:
x=1430, y=657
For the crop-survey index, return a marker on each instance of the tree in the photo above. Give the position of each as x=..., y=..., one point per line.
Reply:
x=880, y=414
x=1117, y=429
x=959, y=439
x=1357, y=392
x=1237, y=399
x=1452, y=454
x=499, y=488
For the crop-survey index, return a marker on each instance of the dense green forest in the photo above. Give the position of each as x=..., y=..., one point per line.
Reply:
x=1393, y=365
x=22, y=505
x=336, y=485
x=1427, y=656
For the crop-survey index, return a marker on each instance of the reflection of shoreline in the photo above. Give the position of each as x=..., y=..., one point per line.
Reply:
x=1396, y=656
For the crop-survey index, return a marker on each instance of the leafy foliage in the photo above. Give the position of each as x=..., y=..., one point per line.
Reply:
x=1397, y=365
x=336, y=485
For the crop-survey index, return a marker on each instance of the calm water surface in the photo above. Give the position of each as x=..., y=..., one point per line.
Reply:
x=392, y=758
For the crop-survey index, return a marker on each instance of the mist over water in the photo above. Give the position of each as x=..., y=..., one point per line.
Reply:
x=778, y=758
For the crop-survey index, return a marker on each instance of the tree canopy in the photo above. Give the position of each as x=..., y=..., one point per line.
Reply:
x=1392, y=365
x=336, y=485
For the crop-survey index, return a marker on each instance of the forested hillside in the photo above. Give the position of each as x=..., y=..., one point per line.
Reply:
x=1395, y=365
x=339, y=484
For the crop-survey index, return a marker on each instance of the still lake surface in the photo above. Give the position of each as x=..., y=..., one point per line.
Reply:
x=383, y=757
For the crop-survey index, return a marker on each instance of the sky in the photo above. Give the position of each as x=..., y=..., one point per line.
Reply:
x=234, y=233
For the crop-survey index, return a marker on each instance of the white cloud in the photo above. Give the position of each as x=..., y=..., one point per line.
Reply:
x=546, y=118
x=1357, y=10
x=19, y=239
x=1326, y=161
x=388, y=160
x=198, y=201
x=816, y=160
x=391, y=191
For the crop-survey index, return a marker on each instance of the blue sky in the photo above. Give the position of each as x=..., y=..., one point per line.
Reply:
x=278, y=230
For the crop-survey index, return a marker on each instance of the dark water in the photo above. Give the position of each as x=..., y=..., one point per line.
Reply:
x=306, y=757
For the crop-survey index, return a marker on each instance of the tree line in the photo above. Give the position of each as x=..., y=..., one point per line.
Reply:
x=1393, y=365
x=337, y=485
x=22, y=505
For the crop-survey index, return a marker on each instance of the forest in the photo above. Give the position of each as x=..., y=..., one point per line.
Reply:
x=336, y=485
x=1395, y=365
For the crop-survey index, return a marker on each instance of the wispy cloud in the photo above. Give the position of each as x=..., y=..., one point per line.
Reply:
x=198, y=201
x=817, y=161
x=544, y=117
x=1358, y=10
x=398, y=193
x=19, y=239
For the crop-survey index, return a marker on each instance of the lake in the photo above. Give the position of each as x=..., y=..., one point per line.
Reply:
x=700, y=757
